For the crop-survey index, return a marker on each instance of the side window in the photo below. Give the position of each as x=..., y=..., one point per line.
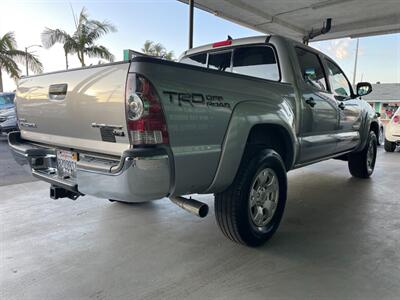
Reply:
x=257, y=61
x=199, y=60
x=220, y=61
x=311, y=69
x=339, y=84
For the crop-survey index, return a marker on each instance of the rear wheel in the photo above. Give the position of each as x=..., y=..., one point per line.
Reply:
x=362, y=164
x=389, y=146
x=250, y=210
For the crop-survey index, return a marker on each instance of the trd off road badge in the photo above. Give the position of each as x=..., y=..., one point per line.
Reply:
x=197, y=99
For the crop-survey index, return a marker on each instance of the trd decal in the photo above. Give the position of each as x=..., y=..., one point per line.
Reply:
x=196, y=98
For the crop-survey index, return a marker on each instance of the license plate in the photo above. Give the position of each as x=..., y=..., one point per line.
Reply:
x=66, y=163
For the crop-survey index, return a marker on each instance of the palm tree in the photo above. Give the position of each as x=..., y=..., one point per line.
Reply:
x=10, y=56
x=148, y=47
x=83, y=41
x=158, y=50
x=52, y=36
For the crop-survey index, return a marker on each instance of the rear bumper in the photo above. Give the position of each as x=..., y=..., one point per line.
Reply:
x=7, y=129
x=8, y=125
x=394, y=138
x=138, y=175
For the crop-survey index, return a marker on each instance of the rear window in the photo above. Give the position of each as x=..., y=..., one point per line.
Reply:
x=199, y=60
x=256, y=61
x=220, y=61
x=6, y=99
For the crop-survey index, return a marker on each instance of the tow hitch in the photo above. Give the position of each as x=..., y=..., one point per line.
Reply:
x=57, y=192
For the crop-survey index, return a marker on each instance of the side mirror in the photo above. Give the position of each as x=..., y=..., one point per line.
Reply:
x=363, y=88
x=378, y=115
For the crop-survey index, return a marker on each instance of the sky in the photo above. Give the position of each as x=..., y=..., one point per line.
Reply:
x=166, y=21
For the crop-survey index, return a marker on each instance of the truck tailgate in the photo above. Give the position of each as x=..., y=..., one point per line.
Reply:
x=80, y=109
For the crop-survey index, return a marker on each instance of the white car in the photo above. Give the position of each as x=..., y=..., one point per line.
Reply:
x=392, y=132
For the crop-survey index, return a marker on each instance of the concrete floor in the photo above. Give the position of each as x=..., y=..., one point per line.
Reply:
x=339, y=239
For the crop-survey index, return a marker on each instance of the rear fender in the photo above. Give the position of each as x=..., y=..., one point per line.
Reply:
x=244, y=117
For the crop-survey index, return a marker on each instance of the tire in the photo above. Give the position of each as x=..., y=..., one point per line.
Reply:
x=233, y=210
x=381, y=138
x=362, y=164
x=389, y=146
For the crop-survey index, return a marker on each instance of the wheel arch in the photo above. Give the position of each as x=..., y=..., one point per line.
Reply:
x=370, y=123
x=273, y=136
x=247, y=124
x=374, y=126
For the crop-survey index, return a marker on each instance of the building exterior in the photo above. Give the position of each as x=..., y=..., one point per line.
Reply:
x=385, y=99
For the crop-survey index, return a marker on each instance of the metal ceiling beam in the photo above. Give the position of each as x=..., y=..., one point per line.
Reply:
x=255, y=15
x=316, y=6
x=328, y=3
x=338, y=30
x=268, y=18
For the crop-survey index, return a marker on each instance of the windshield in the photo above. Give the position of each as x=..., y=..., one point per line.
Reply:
x=6, y=99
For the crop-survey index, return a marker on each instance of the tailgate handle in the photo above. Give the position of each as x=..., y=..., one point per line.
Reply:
x=58, y=91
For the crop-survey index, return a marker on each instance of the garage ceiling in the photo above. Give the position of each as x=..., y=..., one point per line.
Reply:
x=296, y=18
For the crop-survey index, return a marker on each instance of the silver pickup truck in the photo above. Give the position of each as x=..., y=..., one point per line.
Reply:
x=231, y=118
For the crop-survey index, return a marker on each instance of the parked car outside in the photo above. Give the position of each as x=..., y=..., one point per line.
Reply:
x=8, y=120
x=8, y=115
x=6, y=101
x=392, y=132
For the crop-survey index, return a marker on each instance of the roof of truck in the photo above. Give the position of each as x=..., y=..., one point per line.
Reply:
x=235, y=42
x=260, y=39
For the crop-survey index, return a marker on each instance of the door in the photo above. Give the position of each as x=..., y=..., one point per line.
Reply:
x=320, y=113
x=349, y=108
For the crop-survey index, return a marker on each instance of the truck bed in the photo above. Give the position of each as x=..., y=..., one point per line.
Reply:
x=198, y=105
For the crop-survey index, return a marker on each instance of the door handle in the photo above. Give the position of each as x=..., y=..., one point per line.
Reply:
x=341, y=105
x=310, y=101
x=58, y=91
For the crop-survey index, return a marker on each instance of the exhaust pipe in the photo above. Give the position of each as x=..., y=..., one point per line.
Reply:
x=195, y=207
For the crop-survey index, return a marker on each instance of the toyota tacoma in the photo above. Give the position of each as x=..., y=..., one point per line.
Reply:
x=230, y=118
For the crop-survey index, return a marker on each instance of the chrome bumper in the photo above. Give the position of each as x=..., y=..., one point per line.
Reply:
x=138, y=175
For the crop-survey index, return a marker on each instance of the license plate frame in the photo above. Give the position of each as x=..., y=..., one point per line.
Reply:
x=66, y=163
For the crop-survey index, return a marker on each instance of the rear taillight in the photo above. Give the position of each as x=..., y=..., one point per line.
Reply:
x=145, y=118
x=396, y=119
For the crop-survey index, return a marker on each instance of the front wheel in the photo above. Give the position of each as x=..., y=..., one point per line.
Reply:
x=250, y=210
x=362, y=164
